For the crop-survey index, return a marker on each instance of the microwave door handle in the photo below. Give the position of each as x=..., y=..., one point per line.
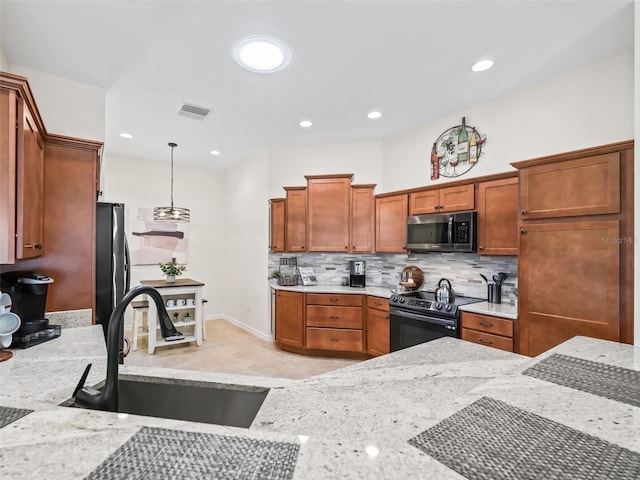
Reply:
x=450, y=231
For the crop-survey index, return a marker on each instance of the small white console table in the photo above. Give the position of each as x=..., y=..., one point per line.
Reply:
x=189, y=317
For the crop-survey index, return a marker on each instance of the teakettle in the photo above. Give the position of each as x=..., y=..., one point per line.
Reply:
x=445, y=293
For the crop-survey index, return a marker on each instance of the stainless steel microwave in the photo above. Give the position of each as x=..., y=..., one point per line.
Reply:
x=442, y=232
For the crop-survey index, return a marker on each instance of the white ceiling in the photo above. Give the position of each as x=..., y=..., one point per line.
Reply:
x=409, y=59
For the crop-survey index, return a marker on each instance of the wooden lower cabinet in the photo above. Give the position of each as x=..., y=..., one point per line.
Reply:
x=377, y=326
x=290, y=318
x=334, y=322
x=345, y=340
x=487, y=330
x=568, y=283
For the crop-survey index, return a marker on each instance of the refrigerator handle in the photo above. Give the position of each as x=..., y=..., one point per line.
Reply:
x=127, y=266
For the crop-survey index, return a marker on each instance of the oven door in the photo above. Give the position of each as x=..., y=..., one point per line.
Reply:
x=407, y=329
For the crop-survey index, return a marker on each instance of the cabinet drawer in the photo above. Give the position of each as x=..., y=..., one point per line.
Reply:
x=482, y=338
x=332, y=339
x=378, y=303
x=334, y=299
x=489, y=324
x=334, y=317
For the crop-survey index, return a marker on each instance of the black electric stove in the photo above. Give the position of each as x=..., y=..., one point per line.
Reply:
x=416, y=317
x=423, y=301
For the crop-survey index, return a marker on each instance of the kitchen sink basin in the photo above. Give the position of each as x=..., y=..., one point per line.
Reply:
x=204, y=402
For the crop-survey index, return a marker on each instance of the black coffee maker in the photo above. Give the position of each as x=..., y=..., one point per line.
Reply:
x=28, y=292
x=357, y=277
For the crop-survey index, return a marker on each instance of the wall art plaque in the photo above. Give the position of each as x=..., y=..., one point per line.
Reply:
x=456, y=151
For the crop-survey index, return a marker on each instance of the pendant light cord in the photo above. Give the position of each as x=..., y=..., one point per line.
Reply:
x=172, y=145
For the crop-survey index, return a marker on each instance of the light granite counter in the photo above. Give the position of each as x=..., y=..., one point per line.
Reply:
x=351, y=423
x=504, y=310
x=383, y=292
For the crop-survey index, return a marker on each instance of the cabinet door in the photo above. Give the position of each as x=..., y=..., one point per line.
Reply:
x=362, y=218
x=391, y=223
x=586, y=186
x=296, y=219
x=328, y=209
x=276, y=224
x=455, y=199
x=69, y=239
x=8, y=119
x=377, y=332
x=289, y=318
x=30, y=190
x=498, y=217
x=424, y=202
x=568, y=283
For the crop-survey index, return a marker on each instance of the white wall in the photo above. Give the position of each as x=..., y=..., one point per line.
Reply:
x=143, y=183
x=244, y=257
x=584, y=108
x=67, y=107
x=5, y=64
x=290, y=163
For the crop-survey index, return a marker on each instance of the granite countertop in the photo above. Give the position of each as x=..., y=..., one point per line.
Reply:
x=356, y=422
x=505, y=310
x=384, y=292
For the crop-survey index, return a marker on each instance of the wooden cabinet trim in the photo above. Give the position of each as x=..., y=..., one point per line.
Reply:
x=575, y=154
x=484, y=178
x=348, y=176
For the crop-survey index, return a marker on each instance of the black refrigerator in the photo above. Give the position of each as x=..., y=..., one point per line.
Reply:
x=112, y=262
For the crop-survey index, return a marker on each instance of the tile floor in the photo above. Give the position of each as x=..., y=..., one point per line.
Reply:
x=229, y=349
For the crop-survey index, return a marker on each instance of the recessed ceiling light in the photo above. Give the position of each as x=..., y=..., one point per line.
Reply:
x=373, y=115
x=126, y=135
x=214, y=152
x=261, y=54
x=482, y=65
x=305, y=124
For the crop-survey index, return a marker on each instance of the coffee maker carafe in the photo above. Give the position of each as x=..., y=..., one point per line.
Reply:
x=357, y=274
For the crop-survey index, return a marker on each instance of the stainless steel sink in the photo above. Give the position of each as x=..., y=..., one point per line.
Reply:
x=204, y=402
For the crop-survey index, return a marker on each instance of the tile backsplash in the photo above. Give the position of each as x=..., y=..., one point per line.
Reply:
x=383, y=270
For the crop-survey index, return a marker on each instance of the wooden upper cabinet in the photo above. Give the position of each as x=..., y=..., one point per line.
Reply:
x=391, y=223
x=568, y=283
x=454, y=199
x=450, y=199
x=22, y=172
x=362, y=218
x=497, y=224
x=328, y=213
x=424, y=202
x=276, y=224
x=583, y=186
x=30, y=191
x=296, y=219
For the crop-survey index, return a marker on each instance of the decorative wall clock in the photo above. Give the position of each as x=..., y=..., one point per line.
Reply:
x=456, y=151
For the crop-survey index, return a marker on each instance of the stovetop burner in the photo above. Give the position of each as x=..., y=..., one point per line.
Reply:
x=424, y=301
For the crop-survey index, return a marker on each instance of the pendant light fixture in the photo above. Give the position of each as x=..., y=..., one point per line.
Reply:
x=172, y=214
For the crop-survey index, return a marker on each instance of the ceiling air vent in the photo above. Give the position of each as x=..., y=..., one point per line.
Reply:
x=193, y=111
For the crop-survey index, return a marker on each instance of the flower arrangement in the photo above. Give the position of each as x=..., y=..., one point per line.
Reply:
x=172, y=269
